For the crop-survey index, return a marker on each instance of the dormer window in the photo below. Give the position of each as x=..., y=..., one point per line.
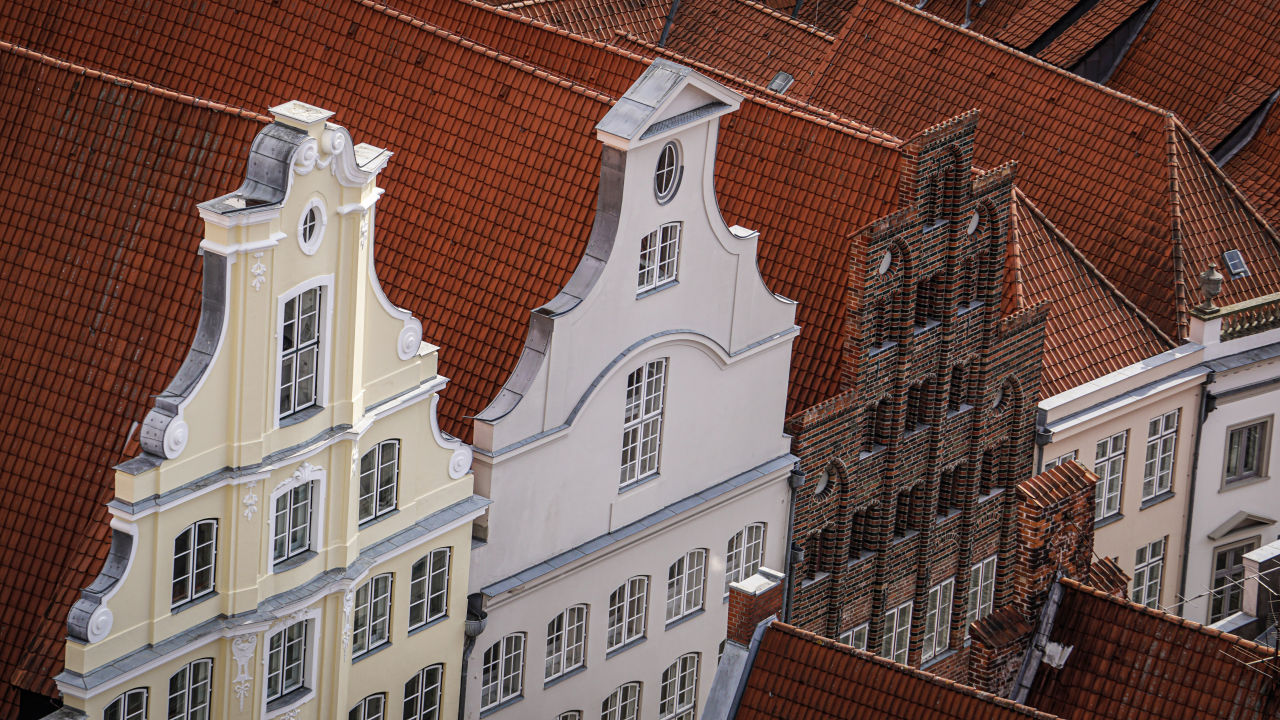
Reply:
x=300, y=351
x=666, y=179
x=659, y=256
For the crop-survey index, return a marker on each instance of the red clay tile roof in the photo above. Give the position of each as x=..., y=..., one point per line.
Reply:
x=596, y=19
x=1116, y=175
x=1257, y=166
x=1084, y=34
x=797, y=675
x=105, y=177
x=1056, y=484
x=1091, y=329
x=1133, y=662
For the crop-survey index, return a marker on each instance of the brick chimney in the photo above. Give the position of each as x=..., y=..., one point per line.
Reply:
x=751, y=601
x=1055, y=535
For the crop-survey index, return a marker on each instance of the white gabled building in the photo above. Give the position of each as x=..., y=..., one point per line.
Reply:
x=635, y=458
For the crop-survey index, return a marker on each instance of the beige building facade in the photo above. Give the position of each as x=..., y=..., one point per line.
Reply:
x=294, y=539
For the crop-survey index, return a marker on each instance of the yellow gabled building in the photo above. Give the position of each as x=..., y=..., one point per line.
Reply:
x=294, y=540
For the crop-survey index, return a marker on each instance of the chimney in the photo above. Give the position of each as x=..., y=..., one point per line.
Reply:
x=752, y=601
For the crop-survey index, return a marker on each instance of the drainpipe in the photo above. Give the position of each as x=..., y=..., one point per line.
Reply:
x=1205, y=409
x=477, y=618
x=795, y=480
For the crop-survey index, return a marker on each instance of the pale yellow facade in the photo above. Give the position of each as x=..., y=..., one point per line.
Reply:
x=291, y=547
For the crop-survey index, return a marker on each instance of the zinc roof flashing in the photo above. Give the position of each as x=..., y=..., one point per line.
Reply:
x=666, y=98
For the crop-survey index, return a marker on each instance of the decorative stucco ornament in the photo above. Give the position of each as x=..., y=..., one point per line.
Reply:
x=304, y=160
x=332, y=144
x=460, y=461
x=348, y=602
x=175, y=438
x=410, y=339
x=364, y=228
x=250, y=500
x=259, y=271
x=242, y=649
x=100, y=623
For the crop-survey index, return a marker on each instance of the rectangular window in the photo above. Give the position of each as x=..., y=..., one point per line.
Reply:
x=371, y=618
x=1108, y=465
x=937, y=619
x=502, y=674
x=379, y=470
x=373, y=707
x=1148, y=571
x=1247, y=451
x=1060, y=460
x=1228, y=579
x=659, y=253
x=286, y=655
x=642, y=422
x=744, y=554
x=194, y=553
x=627, y=606
x=566, y=641
x=300, y=352
x=189, y=691
x=1162, y=440
x=292, y=523
x=429, y=588
x=422, y=694
x=686, y=579
x=856, y=637
x=982, y=591
x=897, y=634
x=678, y=692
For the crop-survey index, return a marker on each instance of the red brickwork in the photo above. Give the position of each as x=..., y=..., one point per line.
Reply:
x=935, y=419
x=748, y=609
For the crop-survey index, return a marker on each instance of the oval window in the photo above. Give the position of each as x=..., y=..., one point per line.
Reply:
x=311, y=227
x=666, y=179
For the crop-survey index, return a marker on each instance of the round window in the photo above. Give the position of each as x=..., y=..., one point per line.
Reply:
x=666, y=179
x=824, y=481
x=311, y=227
x=886, y=262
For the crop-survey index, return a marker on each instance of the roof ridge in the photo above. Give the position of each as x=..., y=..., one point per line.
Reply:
x=784, y=18
x=474, y=46
x=777, y=101
x=1181, y=305
x=1192, y=625
x=1090, y=268
x=908, y=670
x=131, y=83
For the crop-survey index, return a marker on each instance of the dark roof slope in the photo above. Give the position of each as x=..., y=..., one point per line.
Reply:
x=1133, y=662
x=797, y=675
x=1257, y=166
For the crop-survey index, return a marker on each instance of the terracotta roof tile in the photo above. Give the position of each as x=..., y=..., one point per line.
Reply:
x=800, y=676
x=1256, y=167
x=1084, y=34
x=1199, y=672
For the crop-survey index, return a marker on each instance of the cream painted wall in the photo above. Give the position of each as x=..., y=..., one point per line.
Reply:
x=378, y=381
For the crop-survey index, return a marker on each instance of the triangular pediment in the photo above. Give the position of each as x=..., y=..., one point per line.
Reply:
x=666, y=98
x=1242, y=520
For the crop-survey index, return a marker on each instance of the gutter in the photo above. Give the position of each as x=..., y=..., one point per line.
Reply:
x=794, y=480
x=1205, y=409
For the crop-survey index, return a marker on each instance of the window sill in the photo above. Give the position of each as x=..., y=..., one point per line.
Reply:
x=624, y=647
x=938, y=658
x=564, y=676
x=300, y=416
x=875, y=449
x=293, y=562
x=985, y=497
x=964, y=408
x=1229, y=485
x=289, y=701
x=899, y=539
x=657, y=288
x=366, y=524
x=926, y=327
x=188, y=604
x=683, y=619
x=637, y=483
x=968, y=307
x=919, y=428
x=415, y=630
x=371, y=651
x=1156, y=499
x=1108, y=520
x=950, y=513
x=502, y=705
x=882, y=347
x=863, y=556
x=817, y=578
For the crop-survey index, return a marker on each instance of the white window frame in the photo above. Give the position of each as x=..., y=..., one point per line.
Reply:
x=310, y=244
x=668, y=172
x=1148, y=573
x=1108, y=465
x=120, y=708
x=371, y=707
x=371, y=615
x=744, y=554
x=1162, y=443
x=294, y=635
x=1228, y=583
x=502, y=671
x=623, y=703
x=323, y=330
x=659, y=257
x=896, y=639
x=686, y=584
x=1061, y=460
x=856, y=636
x=185, y=695
x=1261, y=456
x=570, y=715
x=424, y=694
x=566, y=642
x=982, y=591
x=429, y=587
x=202, y=560
x=628, y=606
x=380, y=493
x=642, y=422
x=937, y=619
x=678, y=693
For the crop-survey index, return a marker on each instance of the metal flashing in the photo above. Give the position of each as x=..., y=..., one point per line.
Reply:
x=267, y=175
